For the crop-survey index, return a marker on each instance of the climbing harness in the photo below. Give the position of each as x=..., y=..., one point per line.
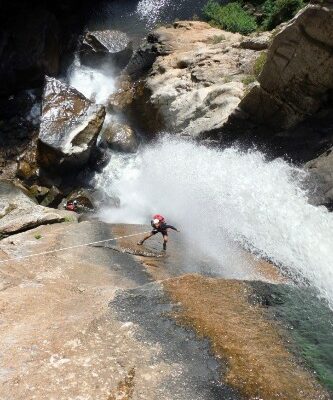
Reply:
x=43, y=253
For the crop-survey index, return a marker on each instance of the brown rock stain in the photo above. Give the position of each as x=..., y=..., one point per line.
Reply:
x=259, y=365
x=125, y=388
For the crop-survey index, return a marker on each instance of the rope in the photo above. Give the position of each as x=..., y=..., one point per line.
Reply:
x=43, y=253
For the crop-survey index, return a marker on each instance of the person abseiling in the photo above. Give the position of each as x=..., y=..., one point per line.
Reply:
x=159, y=226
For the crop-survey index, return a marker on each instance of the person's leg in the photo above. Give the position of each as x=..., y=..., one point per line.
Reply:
x=165, y=241
x=140, y=242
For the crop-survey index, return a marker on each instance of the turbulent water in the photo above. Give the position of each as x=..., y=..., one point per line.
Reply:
x=95, y=84
x=219, y=198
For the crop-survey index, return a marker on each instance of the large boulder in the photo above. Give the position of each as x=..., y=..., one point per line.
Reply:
x=103, y=47
x=18, y=212
x=297, y=78
x=119, y=137
x=321, y=176
x=194, y=83
x=70, y=124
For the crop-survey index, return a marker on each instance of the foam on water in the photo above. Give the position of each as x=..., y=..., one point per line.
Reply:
x=219, y=198
x=95, y=84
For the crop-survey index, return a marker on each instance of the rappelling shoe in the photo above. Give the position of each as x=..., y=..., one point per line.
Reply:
x=140, y=243
x=164, y=246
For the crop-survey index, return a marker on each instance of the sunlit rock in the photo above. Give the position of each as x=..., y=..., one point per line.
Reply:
x=195, y=83
x=18, y=212
x=70, y=124
x=257, y=41
x=297, y=77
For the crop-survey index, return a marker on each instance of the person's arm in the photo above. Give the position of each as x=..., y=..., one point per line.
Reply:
x=171, y=227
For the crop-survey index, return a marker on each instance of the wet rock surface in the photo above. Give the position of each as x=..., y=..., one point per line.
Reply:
x=108, y=47
x=70, y=124
x=196, y=374
x=119, y=137
x=321, y=176
x=253, y=346
x=19, y=121
x=133, y=337
x=308, y=321
x=100, y=350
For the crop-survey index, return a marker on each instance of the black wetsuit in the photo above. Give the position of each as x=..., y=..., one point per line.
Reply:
x=162, y=228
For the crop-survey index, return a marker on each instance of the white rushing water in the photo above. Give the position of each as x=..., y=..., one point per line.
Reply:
x=219, y=197
x=96, y=84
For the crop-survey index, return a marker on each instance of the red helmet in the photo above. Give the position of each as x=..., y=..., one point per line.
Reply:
x=159, y=217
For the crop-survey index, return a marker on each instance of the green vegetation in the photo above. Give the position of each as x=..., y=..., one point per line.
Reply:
x=259, y=64
x=248, y=79
x=69, y=219
x=238, y=16
x=38, y=236
x=278, y=11
x=231, y=17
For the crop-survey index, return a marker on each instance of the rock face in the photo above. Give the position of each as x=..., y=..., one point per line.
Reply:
x=27, y=54
x=321, y=174
x=70, y=124
x=144, y=57
x=106, y=46
x=196, y=80
x=36, y=37
x=297, y=78
x=119, y=137
x=19, y=213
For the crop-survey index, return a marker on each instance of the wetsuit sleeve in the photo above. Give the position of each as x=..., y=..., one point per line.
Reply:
x=169, y=227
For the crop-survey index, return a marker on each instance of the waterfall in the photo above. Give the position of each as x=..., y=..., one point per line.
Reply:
x=219, y=197
x=96, y=84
